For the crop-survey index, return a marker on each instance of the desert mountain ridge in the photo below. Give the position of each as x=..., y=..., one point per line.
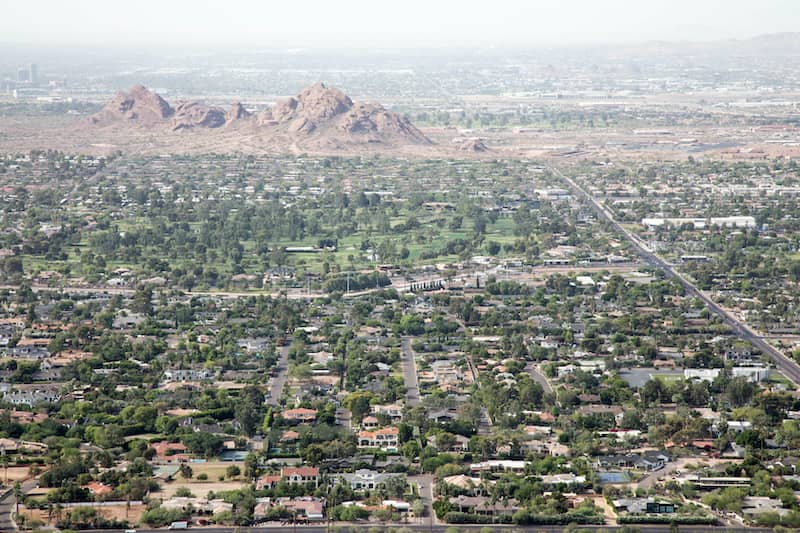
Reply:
x=318, y=116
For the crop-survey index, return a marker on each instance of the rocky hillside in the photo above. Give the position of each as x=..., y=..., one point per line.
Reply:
x=139, y=106
x=318, y=117
x=196, y=115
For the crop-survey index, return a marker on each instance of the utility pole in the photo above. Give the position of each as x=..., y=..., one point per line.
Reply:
x=5, y=462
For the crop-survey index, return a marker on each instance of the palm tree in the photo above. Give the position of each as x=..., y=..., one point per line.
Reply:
x=17, y=496
x=4, y=460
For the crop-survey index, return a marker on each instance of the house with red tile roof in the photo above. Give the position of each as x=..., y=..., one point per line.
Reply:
x=289, y=436
x=300, y=474
x=268, y=481
x=300, y=414
x=98, y=489
x=387, y=439
x=170, y=452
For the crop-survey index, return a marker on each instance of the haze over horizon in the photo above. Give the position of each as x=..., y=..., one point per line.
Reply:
x=358, y=23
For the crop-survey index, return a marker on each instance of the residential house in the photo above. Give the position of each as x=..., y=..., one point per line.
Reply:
x=98, y=489
x=753, y=506
x=563, y=479
x=484, y=506
x=32, y=397
x=370, y=422
x=182, y=375
x=299, y=415
x=365, y=479
x=393, y=411
x=387, y=439
x=459, y=443
x=197, y=505
x=305, y=508
x=473, y=486
x=499, y=465
x=644, y=505
x=300, y=474
x=648, y=461
x=170, y=452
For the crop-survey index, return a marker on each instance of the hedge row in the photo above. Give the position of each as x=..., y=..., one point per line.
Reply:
x=661, y=519
x=522, y=518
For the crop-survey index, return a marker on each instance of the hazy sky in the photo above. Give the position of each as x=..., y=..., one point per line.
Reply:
x=388, y=23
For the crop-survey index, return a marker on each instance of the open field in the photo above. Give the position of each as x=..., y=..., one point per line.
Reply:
x=119, y=512
x=14, y=473
x=198, y=488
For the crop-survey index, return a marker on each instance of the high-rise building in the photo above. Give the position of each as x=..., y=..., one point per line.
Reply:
x=22, y=75
x=33, y=73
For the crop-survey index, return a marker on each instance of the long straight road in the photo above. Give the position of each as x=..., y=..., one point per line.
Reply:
x=528, y=276
x=409, y=372
x=279, y=379
x=441, y=528
x=787, y=366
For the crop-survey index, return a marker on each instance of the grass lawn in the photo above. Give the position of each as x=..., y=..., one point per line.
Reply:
x=776, y=377
x=670, y=378
x=430, y=236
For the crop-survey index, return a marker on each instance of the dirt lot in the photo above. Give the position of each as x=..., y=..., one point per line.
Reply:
x=199, y=489
x=15, y=473
x=118, y=512
x=212, y=469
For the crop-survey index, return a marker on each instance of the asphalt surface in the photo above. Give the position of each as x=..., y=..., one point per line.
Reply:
x=787, y=366
x=341, y=528
x=537, y=376
x=7, y=502
x=8, y=505
x=409, y=372
x=279, y=379
x=425, y=484
x=527, y=276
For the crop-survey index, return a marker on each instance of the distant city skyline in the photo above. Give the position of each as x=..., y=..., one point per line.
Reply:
x=410, y=24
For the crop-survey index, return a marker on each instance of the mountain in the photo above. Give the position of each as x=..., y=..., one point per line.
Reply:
x=319, y=117
x=237, y=112
x=196, y=115
x=323, y=114
x=139, y=105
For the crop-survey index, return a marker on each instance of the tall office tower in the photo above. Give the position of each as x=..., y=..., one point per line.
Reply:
x=22, y=75
x=33, y=73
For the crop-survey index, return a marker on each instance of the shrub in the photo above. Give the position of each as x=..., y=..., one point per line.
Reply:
x=661, y=519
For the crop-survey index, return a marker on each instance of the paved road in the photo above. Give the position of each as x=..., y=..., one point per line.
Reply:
x=485, y=423
x=409, y=372
x=344, y=418
x=444, y=528
x=8, y=505
x=653, y=477
x=425, y=484
x=533, y=370
x=526, y=276
x=787, y=366
x=279, y=379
